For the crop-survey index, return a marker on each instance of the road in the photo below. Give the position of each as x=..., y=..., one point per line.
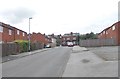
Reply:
x=49, y=63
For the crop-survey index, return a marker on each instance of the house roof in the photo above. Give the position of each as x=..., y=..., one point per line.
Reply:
x=10, y=27
x=109, y=27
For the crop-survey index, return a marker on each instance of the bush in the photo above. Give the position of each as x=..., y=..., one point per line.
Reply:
x=23, y=45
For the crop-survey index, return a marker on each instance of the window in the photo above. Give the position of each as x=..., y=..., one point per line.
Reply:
x=113, y=28
x=68, y=38
x=1, y=29
x=10, y=32
x=18, y=32
x=106, y=32
x=23, y=34
x=103, y=32
x=74, y=38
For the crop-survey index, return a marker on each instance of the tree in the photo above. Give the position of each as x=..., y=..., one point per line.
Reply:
x=88, y=36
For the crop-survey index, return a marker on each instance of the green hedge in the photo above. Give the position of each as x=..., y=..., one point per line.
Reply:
x=23, y=45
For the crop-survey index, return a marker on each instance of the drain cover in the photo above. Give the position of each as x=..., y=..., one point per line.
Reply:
x=85, y=60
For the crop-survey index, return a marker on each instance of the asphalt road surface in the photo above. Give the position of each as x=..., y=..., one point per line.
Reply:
x=49, y=63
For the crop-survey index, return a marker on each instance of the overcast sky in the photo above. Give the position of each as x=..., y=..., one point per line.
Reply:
x=60, y=16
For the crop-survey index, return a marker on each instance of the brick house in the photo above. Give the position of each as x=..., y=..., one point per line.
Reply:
x=52, y=40
x=70, y=37
x=9, y=33
x=38, y=37
x=112, y=32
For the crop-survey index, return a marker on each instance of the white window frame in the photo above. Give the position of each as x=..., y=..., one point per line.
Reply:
x=68, y=38
x=10, y=32
x=74, y=38
x=23, y=34
x=18, y=32
x=113, y=28
x=1, y=28
x=103, y=32
x=106, y=32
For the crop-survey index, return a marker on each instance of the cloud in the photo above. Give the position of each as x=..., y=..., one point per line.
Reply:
x=17, y=15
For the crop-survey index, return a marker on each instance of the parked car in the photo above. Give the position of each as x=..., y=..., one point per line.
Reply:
x=48, y=46
x=70, y=44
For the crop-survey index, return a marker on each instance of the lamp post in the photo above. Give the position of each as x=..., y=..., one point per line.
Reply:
x=29, y=33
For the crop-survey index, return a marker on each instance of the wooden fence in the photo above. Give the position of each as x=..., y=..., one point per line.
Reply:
x=98, y=42
x=14, y=48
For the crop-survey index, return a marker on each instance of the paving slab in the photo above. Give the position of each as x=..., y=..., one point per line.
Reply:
x=79, y=49
x=13, y=57
x=87, y=64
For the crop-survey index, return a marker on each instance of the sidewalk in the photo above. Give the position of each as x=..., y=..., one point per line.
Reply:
x=86, y=64
x=13, y=57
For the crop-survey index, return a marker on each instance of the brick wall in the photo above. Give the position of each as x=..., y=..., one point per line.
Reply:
x=71, y=38
x=6, y=37
x=38, y=37
x=111, y=32
x=20, y=35
x=9, y=34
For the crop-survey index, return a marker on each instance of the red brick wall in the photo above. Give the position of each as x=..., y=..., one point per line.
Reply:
x=110, y=33
x=10, y=38
x=0, y=36
x=65, y=37
x=38, y=37
x=6, y=37
x=20, y=36
x=118, y=25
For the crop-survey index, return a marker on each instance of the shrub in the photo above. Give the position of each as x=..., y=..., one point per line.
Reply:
x=23, y=44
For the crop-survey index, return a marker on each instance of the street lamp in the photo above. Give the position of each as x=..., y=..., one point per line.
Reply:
x=29, y=33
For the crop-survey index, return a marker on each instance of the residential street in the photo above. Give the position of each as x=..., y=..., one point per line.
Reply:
x=49, y=63
x=64, y=62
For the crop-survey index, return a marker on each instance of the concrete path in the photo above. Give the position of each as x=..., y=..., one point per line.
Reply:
x=13, y=57
x=86, y=64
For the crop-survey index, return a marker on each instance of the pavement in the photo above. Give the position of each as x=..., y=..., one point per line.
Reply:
x=13, y=57
x=108, y=53
x=84, y=63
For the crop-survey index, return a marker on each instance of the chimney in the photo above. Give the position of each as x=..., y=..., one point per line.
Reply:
x=53, y=35
x=71, y=33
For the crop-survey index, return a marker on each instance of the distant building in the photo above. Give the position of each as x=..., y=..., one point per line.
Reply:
x=112, y=32
x=9, y=33
x=70, y=37
x=38, y=37
x=53, y=40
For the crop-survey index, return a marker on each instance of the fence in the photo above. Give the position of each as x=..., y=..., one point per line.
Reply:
x=98, y=42
x=14, y=48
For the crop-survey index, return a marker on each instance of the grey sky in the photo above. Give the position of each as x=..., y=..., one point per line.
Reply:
x=17, y=15
x=60, y=16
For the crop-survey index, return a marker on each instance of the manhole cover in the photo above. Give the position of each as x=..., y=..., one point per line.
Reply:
x=85, y=60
